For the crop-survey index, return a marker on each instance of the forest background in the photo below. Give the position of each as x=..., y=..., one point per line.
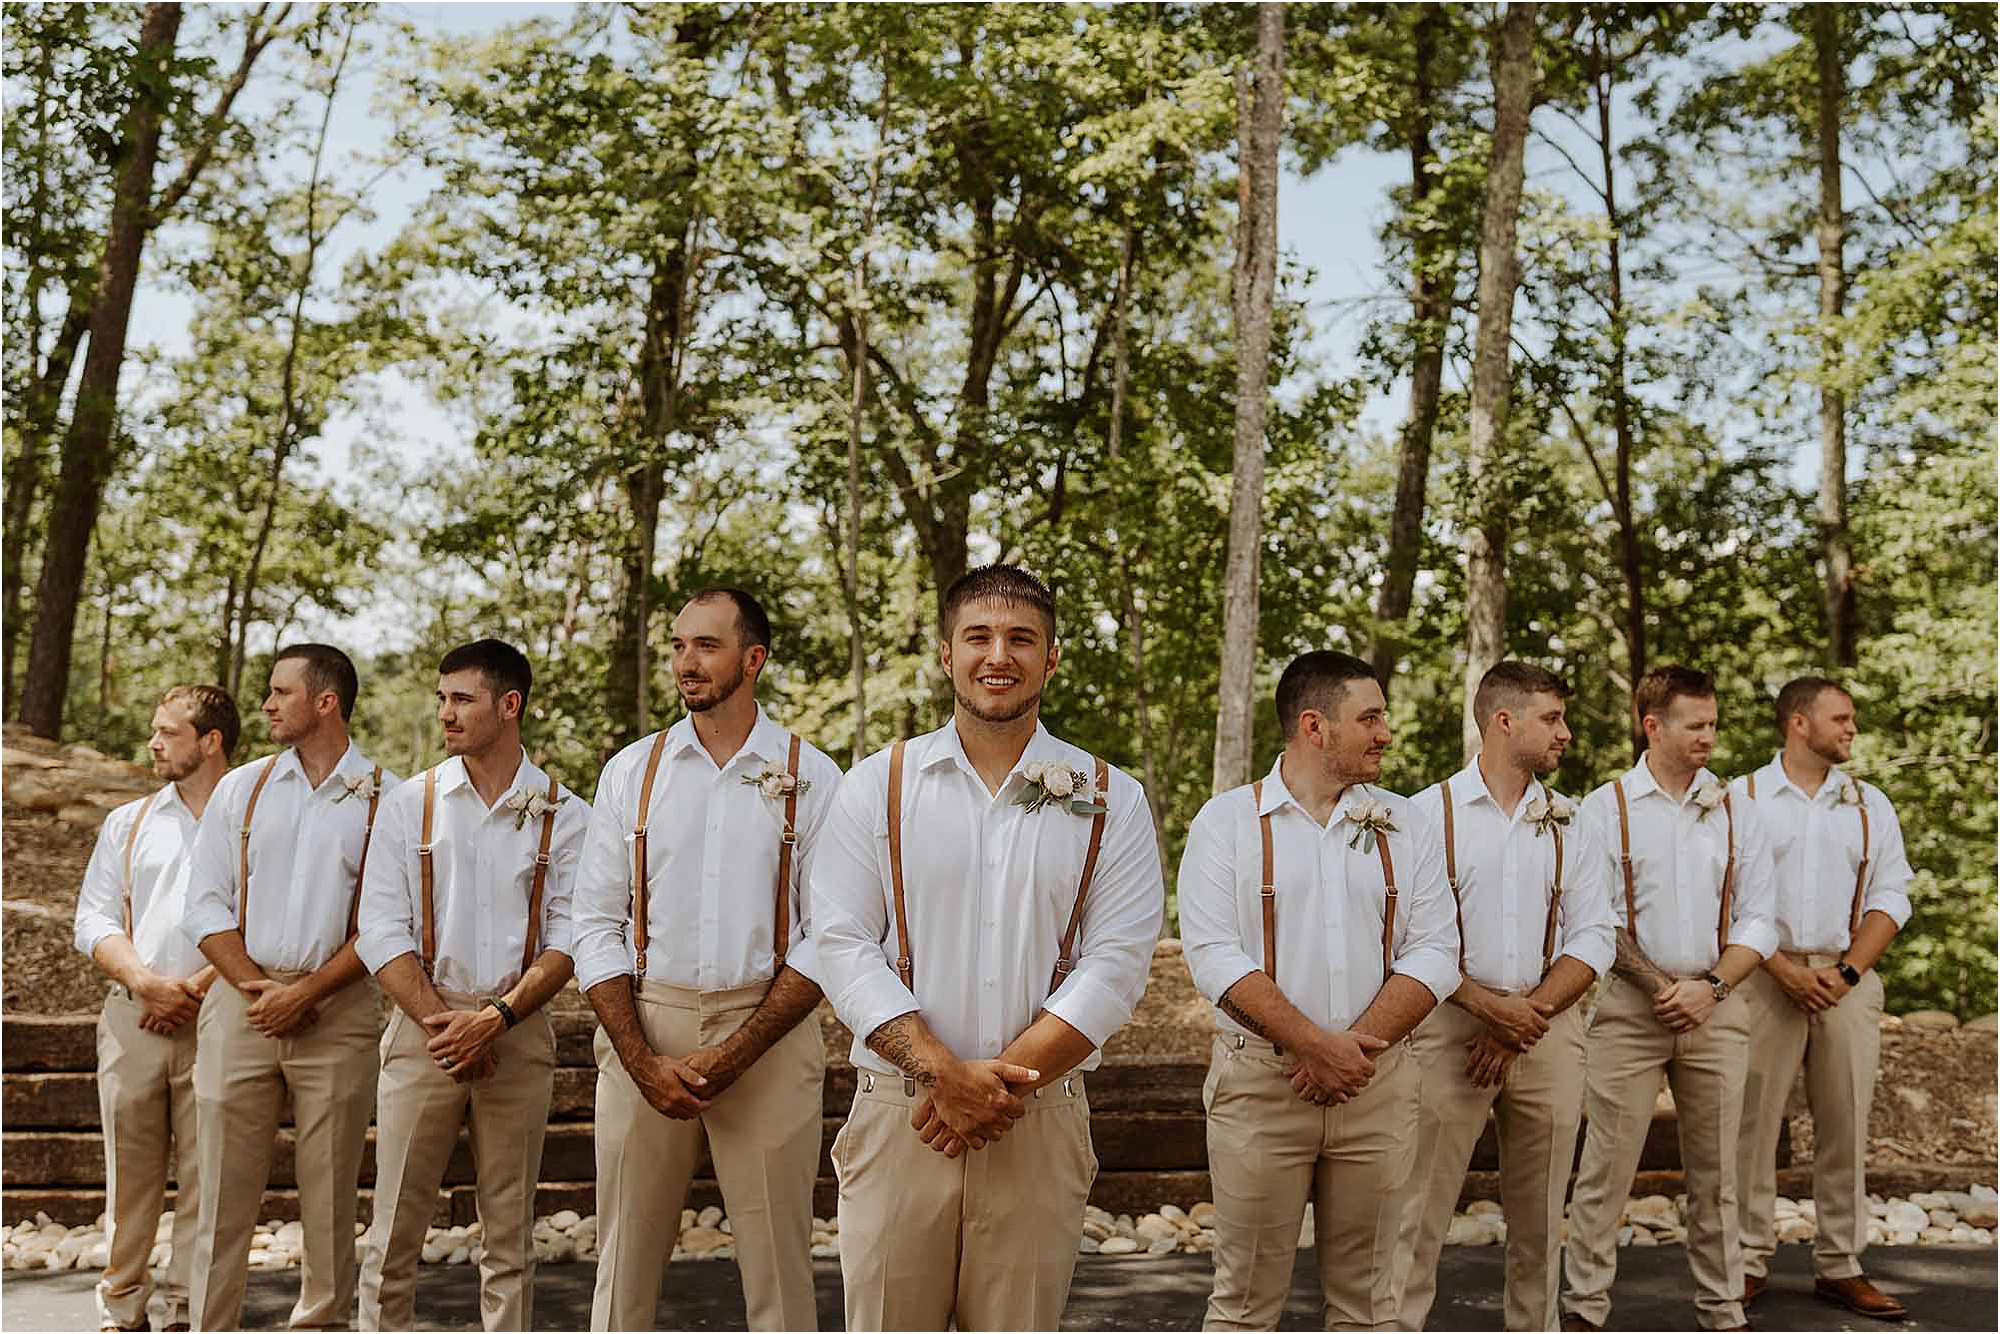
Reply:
x=1659, y=332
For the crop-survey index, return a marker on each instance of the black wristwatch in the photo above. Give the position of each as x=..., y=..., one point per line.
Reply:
x=1847, y=973
x=1716, y=985
x=506, y=1011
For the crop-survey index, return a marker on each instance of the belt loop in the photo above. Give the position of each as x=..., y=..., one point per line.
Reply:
x=909, y=1086
x=1069, y=1085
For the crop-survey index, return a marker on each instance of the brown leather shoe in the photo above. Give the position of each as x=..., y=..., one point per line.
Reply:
x=1576, y=1322
x=1753, y=1286
x=1860, y=1296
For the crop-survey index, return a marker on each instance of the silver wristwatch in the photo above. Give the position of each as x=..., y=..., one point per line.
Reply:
x=1718, y=986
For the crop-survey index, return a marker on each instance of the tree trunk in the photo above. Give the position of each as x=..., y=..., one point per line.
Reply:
x=1831, y=230
x=1260, y=113
x=87, y=449
x=1486, y=534
x=1430, y=308
x=1630, y=567
x=37, y=426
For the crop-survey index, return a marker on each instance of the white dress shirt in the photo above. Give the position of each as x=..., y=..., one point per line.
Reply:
x=1678, y=854
x=988, y=890
x=1816, y=850
x=1330, y=902
x=305, y=857
x=158, y=889
x=482, y=872
x=712, y=842
x=1506, y=871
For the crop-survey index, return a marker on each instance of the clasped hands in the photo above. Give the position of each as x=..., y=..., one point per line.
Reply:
x=1513, y=1025
x=165, y=1003
x=972, y=1104
x=1814, y=990
x=461, y=1042
x=1333, y=1067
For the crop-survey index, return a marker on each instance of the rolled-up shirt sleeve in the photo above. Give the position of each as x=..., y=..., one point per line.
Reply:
x=1427, y=939
x=601, y=897
x=212, y=886
x=1589, y=923
x=565, y=852
x=1211, y=940
x=1753, y=916
x=100, y=899
x=1889, y=874
x=814, y=808
x=387, y=916
x=1121, y=923
x=850, y=913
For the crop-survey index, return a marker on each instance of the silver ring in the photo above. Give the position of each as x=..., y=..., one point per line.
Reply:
x=450, y=1061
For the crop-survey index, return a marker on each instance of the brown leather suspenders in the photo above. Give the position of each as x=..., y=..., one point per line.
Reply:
x=1625, y=865
x=132, y=841
x=428, y=940
x=243, y=850
x=1861, y=871
x=1457, y=903
x=1267, y=891
x=639, y=939
x=781, y=919
x=904, y=965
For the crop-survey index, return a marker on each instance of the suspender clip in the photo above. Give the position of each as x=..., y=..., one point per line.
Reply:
x=867, y=1081
x=789, y=836
x=909, y=1087
x=423, y=849
x=1069, y=1085
x=542, y=859
x=1269, y=891
x=1063, y=966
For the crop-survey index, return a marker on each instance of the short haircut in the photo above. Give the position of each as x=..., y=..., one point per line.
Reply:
x=1000, y=583
x=752, y=625
x=327, y=668
x=209, y=709
x=502, y=666
x=1317, y=681
x=1508, y=684
x=1801, y=693
x=1661, y=686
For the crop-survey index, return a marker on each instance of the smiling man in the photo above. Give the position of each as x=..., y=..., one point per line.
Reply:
x=693, y=945
x=465, y=921
x=128, y=913
x=1312, y=1091
x=986, y=902
x=1691, y=878
x=274, y=881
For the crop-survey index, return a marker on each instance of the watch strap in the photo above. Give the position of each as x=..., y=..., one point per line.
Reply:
x=506, y=1010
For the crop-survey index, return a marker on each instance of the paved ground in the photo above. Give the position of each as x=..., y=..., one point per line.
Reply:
x=1947, y=1288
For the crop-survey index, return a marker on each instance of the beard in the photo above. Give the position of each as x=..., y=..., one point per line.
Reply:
x=167, y=767
x=1004, y=714
x=723, y=687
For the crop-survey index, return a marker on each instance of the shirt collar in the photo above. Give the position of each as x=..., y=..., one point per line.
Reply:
x=767, y=741
x=1468, y=786
x=1639, y=782
x=1776, y=780
x=528, y=777
x=1277, y=795
x=352, y=765
x=945, y=746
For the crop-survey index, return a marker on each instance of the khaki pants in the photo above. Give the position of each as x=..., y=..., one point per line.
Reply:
x=1537, y=1108
x=986, y=1240
x=1269, y=1151
x=145, y=1099
x=418, y=1111
x=763, y=1134
x=1627, y=1051
x=1841, y=1050
x=240, y=1079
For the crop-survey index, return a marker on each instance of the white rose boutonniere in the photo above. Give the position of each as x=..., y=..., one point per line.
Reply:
x=531, y=806
x=776, y=784
x=1706, y=798
x=1058, y=784
x=1369, y=818
x=1849, y=793
x=1550, y=811
x=364, y=787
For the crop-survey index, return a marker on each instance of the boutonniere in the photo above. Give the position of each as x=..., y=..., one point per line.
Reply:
x=1369, y=819
x=531, y=806
x=1060, y=785
x=1706, y=798
x=1849, y=793
x=776, y=784
x=1550, y=812
x=364, y=787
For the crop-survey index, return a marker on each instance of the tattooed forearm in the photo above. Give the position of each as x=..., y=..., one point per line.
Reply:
x=1240, y=1015
x=1632, y=964
x=896, y=1043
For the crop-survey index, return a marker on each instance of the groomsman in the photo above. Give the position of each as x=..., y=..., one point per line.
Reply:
x=1312, y=1092
x=1842, y=894
x=1533, y=895
x=693, y=944
x=274, y=880
x=128, y=913
x=1693, y=868
x=465, y=921
x=986, y=902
